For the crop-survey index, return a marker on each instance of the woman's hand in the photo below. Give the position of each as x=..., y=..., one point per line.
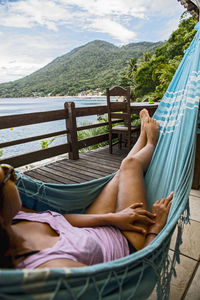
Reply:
x=161, y=209
x=126, y=218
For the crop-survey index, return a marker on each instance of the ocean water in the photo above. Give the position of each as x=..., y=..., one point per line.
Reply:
x=13, y=106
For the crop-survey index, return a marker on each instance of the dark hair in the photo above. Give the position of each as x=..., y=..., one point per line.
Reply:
x=6, y=256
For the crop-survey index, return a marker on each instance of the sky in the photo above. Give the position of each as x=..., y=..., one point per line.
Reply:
x=35, y=32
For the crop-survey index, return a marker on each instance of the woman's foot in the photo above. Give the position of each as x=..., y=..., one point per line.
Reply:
x=152, y=131
x=144, y=117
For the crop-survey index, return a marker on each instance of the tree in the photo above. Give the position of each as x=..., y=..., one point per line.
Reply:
x=151, y=74
x=146, y=83
x=164, y=74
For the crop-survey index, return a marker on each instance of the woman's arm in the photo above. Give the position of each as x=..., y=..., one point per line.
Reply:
x=124, y=219
x=88, y=220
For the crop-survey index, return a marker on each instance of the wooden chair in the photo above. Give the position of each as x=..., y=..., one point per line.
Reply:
x=122, y=112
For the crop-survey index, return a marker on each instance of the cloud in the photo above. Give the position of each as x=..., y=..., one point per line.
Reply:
x=54, y=13
x=163, y=8
x=165, y=33
x=30, y=13
x=17, y=69
x=31, y=37
x=58, y=11
x=141, y=9
x=111, y=7
x=114, y=29
x=21, y=55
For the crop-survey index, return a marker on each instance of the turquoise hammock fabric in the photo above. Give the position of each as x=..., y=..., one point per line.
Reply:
x=171, y=169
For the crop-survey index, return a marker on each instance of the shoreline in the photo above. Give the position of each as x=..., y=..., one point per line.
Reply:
x=54, y=97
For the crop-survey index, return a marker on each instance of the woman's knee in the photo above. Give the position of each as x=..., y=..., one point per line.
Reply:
x=130, y=163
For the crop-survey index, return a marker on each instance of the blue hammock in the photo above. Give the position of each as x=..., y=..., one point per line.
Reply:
x=171, y=169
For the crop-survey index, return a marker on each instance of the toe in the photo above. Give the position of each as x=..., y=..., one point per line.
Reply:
x=144, y=113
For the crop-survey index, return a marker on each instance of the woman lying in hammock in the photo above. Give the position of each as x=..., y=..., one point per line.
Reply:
x=115, y=225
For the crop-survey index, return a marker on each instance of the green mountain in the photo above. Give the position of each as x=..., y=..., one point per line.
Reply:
x=96, y=65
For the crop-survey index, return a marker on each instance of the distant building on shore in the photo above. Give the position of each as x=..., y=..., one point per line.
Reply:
x=90, y=93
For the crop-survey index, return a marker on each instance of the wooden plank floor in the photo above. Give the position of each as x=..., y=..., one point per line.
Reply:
x=91, y=165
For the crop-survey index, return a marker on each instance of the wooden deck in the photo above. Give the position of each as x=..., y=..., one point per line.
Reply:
x=90, y=165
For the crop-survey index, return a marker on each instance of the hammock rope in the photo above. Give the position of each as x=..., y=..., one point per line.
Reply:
x=134, y=276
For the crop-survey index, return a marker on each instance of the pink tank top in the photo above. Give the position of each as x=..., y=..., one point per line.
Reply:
x=89, y=246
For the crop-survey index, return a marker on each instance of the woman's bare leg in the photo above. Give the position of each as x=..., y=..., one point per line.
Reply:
x=107, y=200
x=131, y=179
x=142, y=140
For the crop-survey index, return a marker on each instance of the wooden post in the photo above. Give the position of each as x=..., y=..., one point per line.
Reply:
x=72, y=128
x=196, y=178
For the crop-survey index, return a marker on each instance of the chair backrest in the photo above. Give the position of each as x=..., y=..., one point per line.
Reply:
x=119, y=110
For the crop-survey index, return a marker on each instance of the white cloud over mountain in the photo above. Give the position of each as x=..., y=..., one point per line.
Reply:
x=30, y=30
x=54, y=13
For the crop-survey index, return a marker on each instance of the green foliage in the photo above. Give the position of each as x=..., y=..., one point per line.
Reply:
x=97, y=64
x=84, y=134
x=1, y=152
x=135, y=120
x=46, y=143
x=164, y=73
x=132, y=68
x=144, y=80
x=179, y=40
x=151, y=74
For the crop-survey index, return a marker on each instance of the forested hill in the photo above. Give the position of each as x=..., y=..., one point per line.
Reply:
x=96, y=65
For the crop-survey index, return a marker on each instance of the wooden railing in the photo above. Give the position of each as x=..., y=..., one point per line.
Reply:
x=72, y=145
